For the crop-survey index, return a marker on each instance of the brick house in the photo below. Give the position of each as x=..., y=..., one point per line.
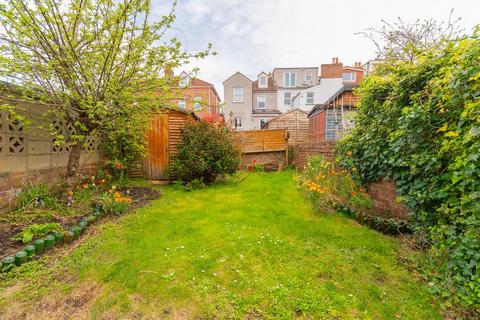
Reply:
x=197, y=95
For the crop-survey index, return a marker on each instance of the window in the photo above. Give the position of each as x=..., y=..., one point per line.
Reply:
x=289, y=79
x=181, y=104
x=310, y=97
x=261, y=102
x=350, y=76
x=262, y=122
x=287, y=98
x=237, y=94
x=184, y=81
x=197, y=105
x=262, y=82
x=308, y=77
x=238, y=123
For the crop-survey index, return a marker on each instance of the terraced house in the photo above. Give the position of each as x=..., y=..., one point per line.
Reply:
x=250, y=104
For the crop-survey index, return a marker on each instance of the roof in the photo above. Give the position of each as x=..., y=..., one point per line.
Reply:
x=316, y=110
x=238, y=72
x=321, y=107
x=266, y=111
x=203, y=83
x=187, y=112
x=295, y=68
x=354, y=68
x=270, y=85
x=283, y=114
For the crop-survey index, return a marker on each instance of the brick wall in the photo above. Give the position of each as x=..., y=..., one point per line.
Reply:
x=305, y=150
x=383, y=195
x=12, y=183
x=273, y=157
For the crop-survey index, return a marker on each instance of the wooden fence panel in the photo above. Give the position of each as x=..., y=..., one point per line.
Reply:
x=262, y=140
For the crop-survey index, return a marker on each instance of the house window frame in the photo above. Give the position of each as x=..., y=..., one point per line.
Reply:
x=238, y=122
x=240, y=100
x=309, y=74
x=289, y=99
x=312, y=101
x=264, y=78
x=264, y=102
x=287, y=79
x=351, y=78
x=197, y=105
x=183, y=83
x=260, y=122
x=182, y=104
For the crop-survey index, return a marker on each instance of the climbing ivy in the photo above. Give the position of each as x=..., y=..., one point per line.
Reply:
x=419, y=125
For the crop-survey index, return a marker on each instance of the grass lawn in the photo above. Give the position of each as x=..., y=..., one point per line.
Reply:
x=247, y=250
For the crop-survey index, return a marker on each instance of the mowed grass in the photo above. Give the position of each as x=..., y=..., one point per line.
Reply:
x=249, y=249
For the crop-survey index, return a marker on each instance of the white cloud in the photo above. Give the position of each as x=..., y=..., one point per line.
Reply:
x=256, y=35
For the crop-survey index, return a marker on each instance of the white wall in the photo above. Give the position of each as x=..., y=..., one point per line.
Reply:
x=322, y=92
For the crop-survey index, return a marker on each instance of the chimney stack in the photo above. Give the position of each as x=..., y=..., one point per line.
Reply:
x=358, y=64
x=332, y=70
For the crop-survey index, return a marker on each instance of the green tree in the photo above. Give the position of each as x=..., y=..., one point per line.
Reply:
x=92, y=61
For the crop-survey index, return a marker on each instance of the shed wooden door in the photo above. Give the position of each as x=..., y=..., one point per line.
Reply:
x=157, y=158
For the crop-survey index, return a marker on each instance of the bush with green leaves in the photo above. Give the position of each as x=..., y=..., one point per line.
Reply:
x=206, y=151
x=419, y=125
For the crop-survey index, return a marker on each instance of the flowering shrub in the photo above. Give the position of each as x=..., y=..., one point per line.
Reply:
x=114, y=202
x=328, y=187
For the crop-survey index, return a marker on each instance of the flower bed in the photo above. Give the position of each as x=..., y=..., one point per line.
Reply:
x=65, y=223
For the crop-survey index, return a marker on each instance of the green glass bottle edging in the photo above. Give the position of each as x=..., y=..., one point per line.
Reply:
x=68, y=236
x=7, y=263
x=59, y=238
x=83, y=225
x=39, y=245
x=49, y=242
x=20, y=258
x=76, y=230
x=30, y=250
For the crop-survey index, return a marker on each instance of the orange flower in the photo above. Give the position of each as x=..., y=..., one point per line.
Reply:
x=349, y=153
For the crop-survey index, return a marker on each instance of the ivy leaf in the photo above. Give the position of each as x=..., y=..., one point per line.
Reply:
x=443, y=128
x=451, y=134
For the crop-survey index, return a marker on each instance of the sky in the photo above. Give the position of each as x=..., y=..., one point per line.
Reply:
x=252, y=36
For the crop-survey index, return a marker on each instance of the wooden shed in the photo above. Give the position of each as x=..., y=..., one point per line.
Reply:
x=296, y=124
x=163, y=137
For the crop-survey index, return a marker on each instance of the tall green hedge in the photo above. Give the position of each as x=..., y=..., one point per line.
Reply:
x=419, y=125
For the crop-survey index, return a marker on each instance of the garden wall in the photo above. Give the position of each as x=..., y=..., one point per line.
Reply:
x=28, y=153
x=382, y=193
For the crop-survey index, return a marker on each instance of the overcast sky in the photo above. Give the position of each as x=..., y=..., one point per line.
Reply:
x=251, y=36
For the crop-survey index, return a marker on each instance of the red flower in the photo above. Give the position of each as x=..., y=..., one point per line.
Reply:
x=254, y=161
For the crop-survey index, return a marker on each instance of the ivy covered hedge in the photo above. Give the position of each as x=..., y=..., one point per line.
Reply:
x=419, y=125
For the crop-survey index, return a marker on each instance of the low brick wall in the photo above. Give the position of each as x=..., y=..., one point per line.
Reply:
x=274, y=157
x=383, y=195
x=12, y=183
x=304, y=150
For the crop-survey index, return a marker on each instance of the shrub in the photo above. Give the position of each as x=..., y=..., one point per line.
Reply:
x=206, y=151
x=419, y=125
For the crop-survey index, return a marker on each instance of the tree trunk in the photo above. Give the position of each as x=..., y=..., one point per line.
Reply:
x=74, y=160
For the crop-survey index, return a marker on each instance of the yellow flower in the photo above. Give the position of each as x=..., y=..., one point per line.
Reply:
x=452, y=134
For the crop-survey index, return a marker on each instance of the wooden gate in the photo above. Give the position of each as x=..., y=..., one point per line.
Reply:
x=157, y=158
